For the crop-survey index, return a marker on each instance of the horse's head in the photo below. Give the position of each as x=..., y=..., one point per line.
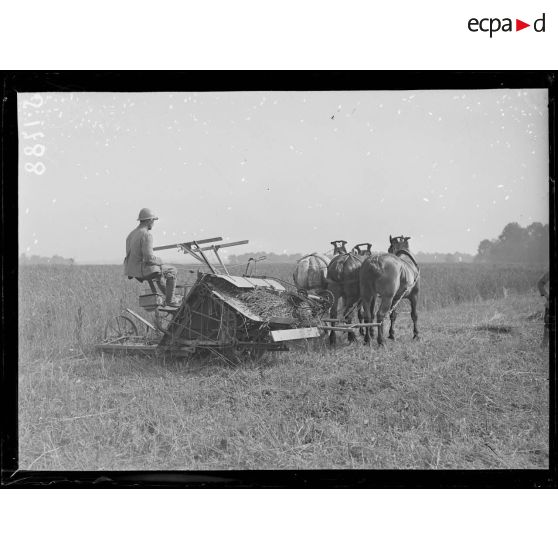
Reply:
x=363, y=249
x=339, y=247
x=397, y=243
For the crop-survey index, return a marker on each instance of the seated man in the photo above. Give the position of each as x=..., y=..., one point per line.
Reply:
x=141, y=263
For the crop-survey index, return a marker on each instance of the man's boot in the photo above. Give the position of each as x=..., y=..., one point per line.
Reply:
x=162, y=285
x=169, y=292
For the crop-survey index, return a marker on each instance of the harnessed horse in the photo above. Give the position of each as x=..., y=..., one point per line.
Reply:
x=392, y=276
x=310, y=273
x=343, y=281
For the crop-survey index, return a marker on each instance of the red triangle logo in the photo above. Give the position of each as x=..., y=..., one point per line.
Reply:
x=519, y=25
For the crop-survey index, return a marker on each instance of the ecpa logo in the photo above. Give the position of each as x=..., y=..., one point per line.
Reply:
x=492, y=25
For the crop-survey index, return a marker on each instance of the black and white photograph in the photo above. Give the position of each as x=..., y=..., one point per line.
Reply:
x=283, y=278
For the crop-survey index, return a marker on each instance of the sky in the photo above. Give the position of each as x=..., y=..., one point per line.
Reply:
x=288, y=171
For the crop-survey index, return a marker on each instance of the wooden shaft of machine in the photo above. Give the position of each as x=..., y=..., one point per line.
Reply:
x=189, y=243
x=217, y=246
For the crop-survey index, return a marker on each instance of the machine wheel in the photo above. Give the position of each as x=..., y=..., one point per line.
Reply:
x=120, y=328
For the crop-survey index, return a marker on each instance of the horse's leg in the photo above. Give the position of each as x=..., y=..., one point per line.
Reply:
x=361, y=319
x=333, y=316
x=350, y=302
x=384, y=309
x=372, y=314
x=366, y=305
x=413, y=297
x=392, y=318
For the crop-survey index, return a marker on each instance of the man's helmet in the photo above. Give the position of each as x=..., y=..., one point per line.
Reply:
x=145, y=214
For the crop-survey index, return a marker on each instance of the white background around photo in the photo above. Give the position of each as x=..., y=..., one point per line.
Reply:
x=274, y=35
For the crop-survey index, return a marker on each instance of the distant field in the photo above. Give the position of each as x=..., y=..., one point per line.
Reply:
x=473, y=393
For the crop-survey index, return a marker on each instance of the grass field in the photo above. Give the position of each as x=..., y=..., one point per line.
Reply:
x=473, y=393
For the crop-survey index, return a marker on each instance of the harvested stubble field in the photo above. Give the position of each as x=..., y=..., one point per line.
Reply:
x=473, y=393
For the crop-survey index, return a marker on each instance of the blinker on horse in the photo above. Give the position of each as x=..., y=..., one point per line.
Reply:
x=392, y=277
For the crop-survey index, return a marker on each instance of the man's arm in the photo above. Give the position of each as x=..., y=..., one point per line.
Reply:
x=542, y=284
x=149, y=258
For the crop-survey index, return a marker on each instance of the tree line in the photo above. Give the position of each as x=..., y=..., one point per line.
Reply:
x=517, y=244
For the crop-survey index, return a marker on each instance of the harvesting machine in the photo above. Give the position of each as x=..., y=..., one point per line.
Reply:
x=231, y=316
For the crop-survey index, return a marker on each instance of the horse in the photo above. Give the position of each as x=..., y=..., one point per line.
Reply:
x=391, y=276
x=310, y=272
x=343, y=281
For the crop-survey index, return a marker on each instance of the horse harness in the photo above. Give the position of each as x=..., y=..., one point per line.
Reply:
x=348, y=255
x=409, y=255
x=320, y=257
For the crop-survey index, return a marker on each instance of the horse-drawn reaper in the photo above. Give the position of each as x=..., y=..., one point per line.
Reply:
x=222, y=314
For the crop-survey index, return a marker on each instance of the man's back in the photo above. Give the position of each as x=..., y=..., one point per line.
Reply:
x=140, y=260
